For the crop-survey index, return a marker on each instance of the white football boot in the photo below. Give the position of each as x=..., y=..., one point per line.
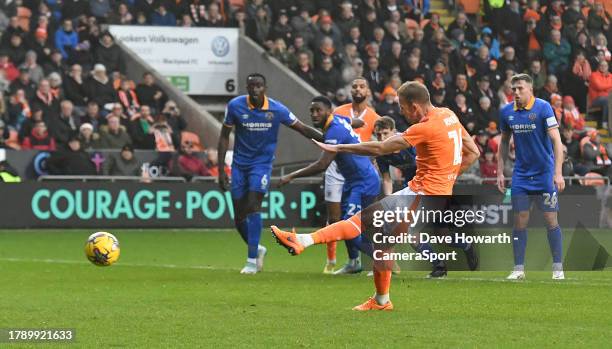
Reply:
x=516, y=275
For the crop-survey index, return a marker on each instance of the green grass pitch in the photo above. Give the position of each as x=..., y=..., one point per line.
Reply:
x=182, y=289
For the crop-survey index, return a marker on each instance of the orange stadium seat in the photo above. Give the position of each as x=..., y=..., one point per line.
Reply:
x=593, y=179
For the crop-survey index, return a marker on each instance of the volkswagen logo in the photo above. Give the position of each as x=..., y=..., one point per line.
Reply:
x=220, y=46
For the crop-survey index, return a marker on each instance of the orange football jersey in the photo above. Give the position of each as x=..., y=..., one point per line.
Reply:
x=438, y=143
x=368, y=116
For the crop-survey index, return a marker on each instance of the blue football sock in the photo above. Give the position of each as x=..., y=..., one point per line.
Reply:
x=519, y=245
x=242, y=230
x=352, y=247
x=555, y=241
x=254, y=229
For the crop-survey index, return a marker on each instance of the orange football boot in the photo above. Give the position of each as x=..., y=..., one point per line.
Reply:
x=371, y=304
x=288, y=240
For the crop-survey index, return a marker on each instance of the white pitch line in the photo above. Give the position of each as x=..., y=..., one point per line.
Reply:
x=568, y=281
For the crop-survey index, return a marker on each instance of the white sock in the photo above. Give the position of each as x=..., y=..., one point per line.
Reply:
x=305, y=239
x=557, y=267
x=252, y=260
x=331, y=261
x=260, y=247
x=381, y=299
x=519, y=267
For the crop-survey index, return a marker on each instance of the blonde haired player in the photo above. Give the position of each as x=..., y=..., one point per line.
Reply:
x=444, y=149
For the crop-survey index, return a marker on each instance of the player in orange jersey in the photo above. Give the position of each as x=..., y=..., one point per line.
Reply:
x=444, y=150
x=363, y=119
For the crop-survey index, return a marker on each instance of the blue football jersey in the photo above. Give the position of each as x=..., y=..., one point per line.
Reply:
x=529, y=126
x=357, y=170
x=256, y=131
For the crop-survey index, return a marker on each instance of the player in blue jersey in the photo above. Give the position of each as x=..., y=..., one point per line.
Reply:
x=405, y=161
x=256, y=119
x=537, y=169
x=361, y=180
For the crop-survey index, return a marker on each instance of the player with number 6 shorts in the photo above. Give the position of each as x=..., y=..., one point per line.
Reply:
x=537, y=170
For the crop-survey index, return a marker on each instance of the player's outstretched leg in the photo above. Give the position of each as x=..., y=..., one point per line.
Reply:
x=296, y=243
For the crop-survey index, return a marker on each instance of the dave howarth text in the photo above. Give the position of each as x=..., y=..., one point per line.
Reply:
x=406, y=238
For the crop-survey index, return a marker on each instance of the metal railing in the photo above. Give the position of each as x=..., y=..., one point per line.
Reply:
x=571, y=180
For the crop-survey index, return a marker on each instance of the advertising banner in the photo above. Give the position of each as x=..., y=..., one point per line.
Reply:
x=199, y=61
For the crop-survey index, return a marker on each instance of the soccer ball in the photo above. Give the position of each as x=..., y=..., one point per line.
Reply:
x=102, y=248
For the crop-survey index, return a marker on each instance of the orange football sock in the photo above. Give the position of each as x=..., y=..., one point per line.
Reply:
x=331, y=251
x=382, y=280
x=343, y=230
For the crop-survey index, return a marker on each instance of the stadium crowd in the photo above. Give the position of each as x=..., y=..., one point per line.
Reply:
x=564, y=45
x=62, y=79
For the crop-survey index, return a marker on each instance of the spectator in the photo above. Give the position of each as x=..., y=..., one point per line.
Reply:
x=578, y=80
x=109, y=54
x=509, y=60
x=556, y=102
x=122, y=16
x=258, y=27
x=56, y=63
x=327, y=49
x=327, y=78
x=601, y=45
x=557, y=52
x=390, y=107
x=10, y=72
x=16, y=50
x=302, y=25
x=549, y=88
x=600, y=85
x=599, y=20
x=165, y=139
x=282, y=29
x=39, y=138
x=413, y=70
x=149, y=93
x=41, y=46
x=99, y=87
x=281, y=53
x=100, y=9
x=17, y=110
x=65, y=126
x=147, y=7
x=464, y=112
x=75, y=89
x=189, y=164
x=161, y=17
x=24, y=83
x=35, y=71
x=45, y=99
x=460, y=87
x=55, y=84
x=174, y=118
x=505, y=94
x=71, y=161
x=483, y=89
x=347, y=20
x=122, y=164
x=488, y=168
x=594, y=155
x=88, y=138
x=65, y=38
x=141, y=129
x=462, y=22
x=92, y=115
x=127, y=97
x=486, y=112
x=327, y=29
x=376, y=77
x=572, y=142
x=304, y=69
x=113, y=135
x=572, y=117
